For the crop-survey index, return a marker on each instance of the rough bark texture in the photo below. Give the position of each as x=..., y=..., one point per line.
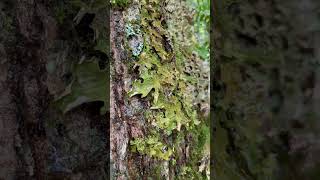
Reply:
x=127, y=119
x=266, y=89
x=44, y=46
x=37, y=140
x=167, y=31
x=119, y=133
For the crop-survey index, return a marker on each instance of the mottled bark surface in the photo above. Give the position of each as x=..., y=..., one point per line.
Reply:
x=127, y=119
x=266, y=83
x=51, y=53
x=162, y=27
x=119, y=133
x=37, y=140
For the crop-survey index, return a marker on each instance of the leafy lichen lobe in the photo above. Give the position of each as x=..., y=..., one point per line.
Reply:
x=163, y=80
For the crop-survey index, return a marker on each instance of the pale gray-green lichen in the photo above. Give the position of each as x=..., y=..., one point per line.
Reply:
x=134, y=38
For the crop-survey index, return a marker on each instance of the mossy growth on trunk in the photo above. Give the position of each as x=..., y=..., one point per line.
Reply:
x=160, y=58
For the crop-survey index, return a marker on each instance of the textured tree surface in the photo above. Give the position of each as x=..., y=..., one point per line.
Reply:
x=41, y=45
x=54, y=91
x=266, y=90
x=158, y=117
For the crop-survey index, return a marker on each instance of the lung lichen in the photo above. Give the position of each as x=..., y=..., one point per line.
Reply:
x=164, y=79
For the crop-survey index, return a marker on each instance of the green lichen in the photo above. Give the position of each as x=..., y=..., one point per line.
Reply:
x=162, y=79
x=152, y=147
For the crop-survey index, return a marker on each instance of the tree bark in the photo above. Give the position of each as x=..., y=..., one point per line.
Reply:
x=53, y=76
x=128, y=113
x=119, y=127
x=265, y=89
x=37, y=140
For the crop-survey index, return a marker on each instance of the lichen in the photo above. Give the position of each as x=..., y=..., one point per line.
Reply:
x=134, y=38
x=164, y=80
x=152, y=147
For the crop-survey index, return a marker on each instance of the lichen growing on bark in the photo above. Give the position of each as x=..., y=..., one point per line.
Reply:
x=168, y=86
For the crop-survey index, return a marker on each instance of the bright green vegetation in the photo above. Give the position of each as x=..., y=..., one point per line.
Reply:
x=151, y=146
x=163, y=80
x=201, y=26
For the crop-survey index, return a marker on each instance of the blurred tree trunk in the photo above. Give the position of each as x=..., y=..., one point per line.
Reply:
x=37, y=140
x=266, y=90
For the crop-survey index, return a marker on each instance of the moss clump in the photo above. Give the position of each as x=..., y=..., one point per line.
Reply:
x=152, y=147
x=120, y=3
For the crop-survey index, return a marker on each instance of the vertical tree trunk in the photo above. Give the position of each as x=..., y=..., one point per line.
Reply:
x=53, y=85
x=154, y=30
x=119, y=127
x=266, y=90
x=37, y=140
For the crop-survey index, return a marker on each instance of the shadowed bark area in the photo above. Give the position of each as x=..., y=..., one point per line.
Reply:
x=37, y=140
x=265, y=89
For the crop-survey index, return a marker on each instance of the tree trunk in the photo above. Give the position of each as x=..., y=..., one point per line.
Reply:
x=146, y=35
x=37, y=140
x=266, y=90
x=54, y=91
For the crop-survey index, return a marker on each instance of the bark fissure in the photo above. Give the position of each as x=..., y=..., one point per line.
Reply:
x=119, y=133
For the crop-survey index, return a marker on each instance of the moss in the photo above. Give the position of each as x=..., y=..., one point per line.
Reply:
x=162, y=79
x=120, y=3
x=152, y=147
